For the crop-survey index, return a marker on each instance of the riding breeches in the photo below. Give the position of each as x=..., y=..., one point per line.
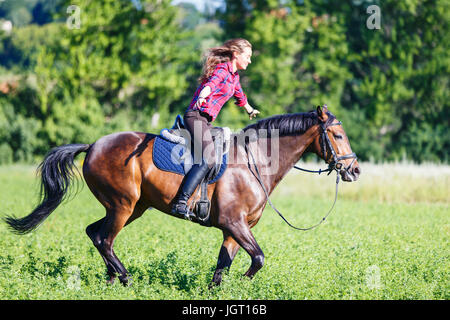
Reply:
x=202, y=146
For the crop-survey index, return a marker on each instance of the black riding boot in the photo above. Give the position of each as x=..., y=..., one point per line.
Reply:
x=190, y=182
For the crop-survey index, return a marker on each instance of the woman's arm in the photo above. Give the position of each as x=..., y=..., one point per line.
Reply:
x=241, y=100
x=206, y=91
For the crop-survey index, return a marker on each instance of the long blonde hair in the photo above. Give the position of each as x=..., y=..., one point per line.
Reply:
x=221, y=54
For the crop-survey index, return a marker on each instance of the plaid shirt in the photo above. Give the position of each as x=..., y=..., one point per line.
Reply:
x=224, y=84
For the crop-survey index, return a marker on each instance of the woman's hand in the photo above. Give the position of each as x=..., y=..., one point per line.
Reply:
x=252, y=112
x=199, y=103
x=206, y=91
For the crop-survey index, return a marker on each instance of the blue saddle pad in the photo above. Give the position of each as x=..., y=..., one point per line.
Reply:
x=166, y=158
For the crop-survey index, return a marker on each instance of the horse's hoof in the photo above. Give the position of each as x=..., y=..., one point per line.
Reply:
x=217, y=279
x=126, y=281
x=213, y=285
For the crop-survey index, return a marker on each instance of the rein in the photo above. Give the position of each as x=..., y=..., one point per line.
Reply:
x=334, y=165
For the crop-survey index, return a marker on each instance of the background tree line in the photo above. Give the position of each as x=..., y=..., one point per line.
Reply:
x=133, y=65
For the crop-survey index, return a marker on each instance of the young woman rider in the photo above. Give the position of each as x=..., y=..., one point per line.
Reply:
x=218, y=83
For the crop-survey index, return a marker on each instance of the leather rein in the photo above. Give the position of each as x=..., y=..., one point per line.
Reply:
x=334, y=165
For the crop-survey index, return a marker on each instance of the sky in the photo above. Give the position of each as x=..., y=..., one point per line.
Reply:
x=200, y=4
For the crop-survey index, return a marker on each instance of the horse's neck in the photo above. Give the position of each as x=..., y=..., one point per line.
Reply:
x=285, y=152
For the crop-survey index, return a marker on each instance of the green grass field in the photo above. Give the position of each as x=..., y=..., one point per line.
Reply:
x=387, y=238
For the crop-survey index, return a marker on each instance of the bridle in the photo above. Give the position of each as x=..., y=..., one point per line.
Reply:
x=333, y=165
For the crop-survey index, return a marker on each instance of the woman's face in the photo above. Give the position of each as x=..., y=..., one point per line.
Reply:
x=243, y=58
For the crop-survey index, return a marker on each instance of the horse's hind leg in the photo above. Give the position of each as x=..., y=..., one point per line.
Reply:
x=103, y=233
x=93, y=232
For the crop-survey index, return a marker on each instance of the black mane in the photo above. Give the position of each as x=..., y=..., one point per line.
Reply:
x=288, y=124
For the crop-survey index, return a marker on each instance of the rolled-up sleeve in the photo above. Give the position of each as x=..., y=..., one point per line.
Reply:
x=239, y=95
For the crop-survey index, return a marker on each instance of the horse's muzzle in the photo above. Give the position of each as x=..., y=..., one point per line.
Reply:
x=351, y=174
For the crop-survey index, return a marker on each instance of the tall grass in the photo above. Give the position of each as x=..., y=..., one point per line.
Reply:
x=389, y=182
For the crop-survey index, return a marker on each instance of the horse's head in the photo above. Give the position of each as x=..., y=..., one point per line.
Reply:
x=333, y=146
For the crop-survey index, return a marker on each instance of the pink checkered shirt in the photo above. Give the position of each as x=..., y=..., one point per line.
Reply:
x=224, y=84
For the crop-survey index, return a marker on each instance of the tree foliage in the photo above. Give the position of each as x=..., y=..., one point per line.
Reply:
x=133, y=65
x=388, y=85
x=114, y=70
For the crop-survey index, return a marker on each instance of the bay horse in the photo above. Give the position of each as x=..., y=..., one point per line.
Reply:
x=120, y=172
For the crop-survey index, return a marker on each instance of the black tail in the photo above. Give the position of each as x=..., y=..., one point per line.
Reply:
x=57, y=172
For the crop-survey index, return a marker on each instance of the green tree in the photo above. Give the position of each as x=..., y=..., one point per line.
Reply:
x=388, y=85
x=400, y=77
x=297, y=55
x=126, y=58
x=134, y=64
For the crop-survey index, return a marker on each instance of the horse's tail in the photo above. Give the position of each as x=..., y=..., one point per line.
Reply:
x=56, y=176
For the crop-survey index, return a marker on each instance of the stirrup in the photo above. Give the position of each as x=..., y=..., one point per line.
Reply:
x=186, y=215
x=189, y=215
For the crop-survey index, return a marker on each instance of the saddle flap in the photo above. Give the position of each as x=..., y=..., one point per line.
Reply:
x=173, y=157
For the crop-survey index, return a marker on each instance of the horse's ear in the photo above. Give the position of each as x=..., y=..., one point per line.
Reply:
x=322, y=113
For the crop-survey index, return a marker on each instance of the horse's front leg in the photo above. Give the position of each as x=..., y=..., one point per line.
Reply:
x=226, y=255
x=243, y=236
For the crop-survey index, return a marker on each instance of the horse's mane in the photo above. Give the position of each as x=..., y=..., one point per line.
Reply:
x=288, y=124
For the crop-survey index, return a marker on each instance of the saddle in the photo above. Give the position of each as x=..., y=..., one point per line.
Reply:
x=171, y=153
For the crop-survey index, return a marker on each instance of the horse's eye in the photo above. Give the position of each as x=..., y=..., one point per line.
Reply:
x=338, y=136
